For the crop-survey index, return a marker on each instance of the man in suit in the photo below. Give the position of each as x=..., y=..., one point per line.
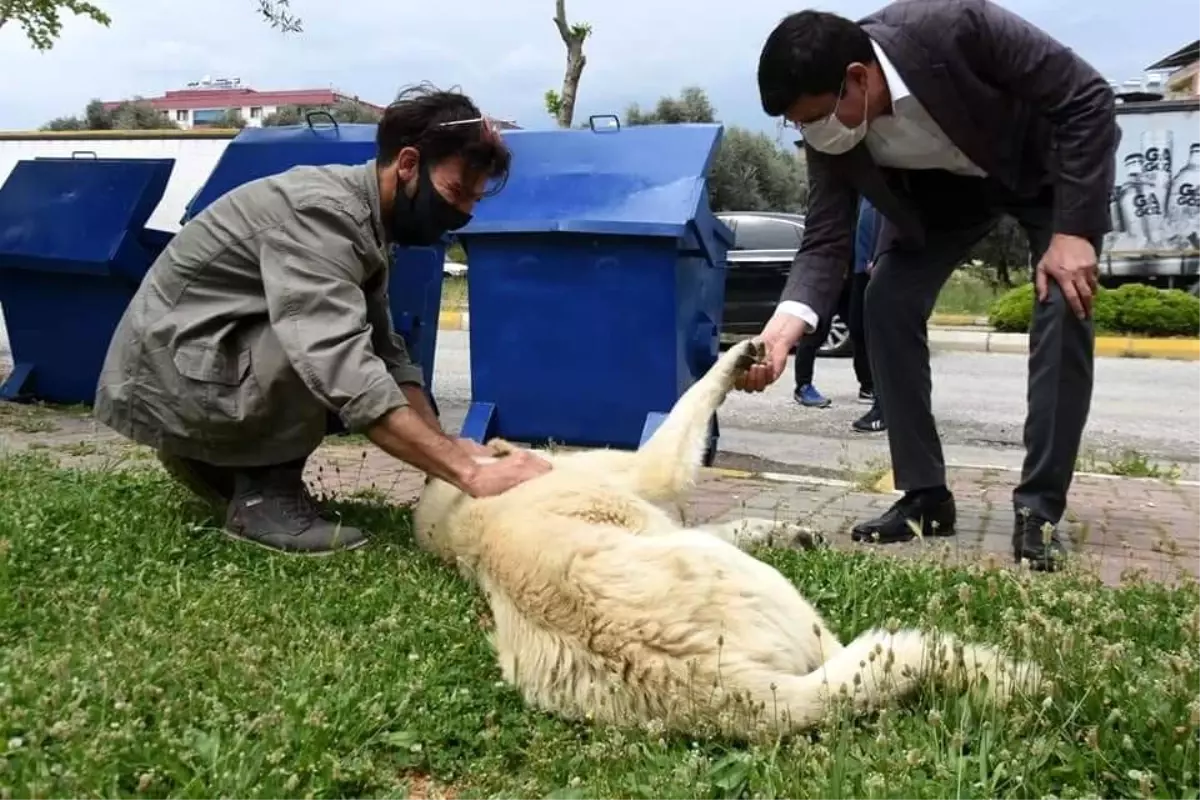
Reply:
x=946, y=114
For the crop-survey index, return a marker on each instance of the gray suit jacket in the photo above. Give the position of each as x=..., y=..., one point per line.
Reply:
x=1018, y=103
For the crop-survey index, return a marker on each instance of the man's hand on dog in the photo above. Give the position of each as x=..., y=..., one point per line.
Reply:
x=474, y=448
x=779, y=336
x=505, y=473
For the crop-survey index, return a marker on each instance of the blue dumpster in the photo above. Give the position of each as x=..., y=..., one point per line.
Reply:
x=596, y=285
x=73, y=250
x=415, y=279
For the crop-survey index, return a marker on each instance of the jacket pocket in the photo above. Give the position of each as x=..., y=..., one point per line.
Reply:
x=207, y=364
x=219, y=385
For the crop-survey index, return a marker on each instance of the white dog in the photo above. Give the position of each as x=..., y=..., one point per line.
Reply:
x=606, y=608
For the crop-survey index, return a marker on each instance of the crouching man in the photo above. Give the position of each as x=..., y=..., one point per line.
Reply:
x=270, y=309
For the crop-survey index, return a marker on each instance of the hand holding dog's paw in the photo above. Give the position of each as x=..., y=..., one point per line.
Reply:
x=778, y=337
x=750, y=353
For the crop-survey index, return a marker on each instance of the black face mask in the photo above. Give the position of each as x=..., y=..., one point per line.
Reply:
x=421, y=220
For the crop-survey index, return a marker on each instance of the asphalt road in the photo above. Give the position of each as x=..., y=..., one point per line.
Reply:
x=1151, y=407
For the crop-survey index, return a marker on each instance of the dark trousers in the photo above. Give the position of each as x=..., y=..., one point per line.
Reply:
x=858, y=331
x=899, y=300
x=806, y=351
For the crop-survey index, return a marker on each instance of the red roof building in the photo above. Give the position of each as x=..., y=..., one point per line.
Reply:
x=206, y=102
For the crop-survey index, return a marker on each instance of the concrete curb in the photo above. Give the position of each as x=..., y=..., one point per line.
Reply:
x=958, y=321
x=969, y=337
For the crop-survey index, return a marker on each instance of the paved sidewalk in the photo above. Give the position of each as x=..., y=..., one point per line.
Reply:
x=1117, y=524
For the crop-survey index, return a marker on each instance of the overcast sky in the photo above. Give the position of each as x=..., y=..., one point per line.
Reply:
x=506, y=53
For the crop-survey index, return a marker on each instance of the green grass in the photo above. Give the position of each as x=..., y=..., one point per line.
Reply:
x=1128, y=463
x=968, y=291
x=141, y=654
x=454, y=293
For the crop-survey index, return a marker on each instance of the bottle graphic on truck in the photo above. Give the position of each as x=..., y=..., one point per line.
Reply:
x=1139, y=206
x=1183, y=208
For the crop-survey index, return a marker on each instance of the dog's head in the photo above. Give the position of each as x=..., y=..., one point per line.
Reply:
x=441, y=503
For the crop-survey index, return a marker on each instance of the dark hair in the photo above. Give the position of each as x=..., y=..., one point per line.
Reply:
x=417, y=118
x=807, y=54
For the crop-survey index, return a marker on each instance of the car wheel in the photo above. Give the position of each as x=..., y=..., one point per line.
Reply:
x=837, y=344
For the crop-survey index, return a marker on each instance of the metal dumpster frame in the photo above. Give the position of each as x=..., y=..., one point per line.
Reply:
x=652, y=223
x=71, y=263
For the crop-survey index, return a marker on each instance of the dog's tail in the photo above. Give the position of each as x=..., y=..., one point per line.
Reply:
x=879, y=668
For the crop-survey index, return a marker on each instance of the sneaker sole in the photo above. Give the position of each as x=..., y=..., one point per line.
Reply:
x=864, y=401
x=237, y=537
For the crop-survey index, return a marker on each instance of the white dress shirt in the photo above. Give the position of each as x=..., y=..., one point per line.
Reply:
x=908, y=138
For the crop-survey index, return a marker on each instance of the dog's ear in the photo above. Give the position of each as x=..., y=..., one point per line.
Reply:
x=500, y=448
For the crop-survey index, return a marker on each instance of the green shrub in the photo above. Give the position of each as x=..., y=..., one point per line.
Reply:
x=1012, y=311
x=1134, y=308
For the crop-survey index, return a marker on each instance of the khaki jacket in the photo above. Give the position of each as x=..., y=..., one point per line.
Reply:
x=268, y=311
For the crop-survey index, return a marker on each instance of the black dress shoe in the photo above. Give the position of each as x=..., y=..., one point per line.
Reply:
x=1036, y=543
x=934, y=513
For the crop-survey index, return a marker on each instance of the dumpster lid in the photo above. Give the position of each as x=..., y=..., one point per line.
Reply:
x=78, y=210
x=257, y=152
x=646, y=180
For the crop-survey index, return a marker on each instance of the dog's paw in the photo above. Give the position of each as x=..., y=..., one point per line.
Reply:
x=500, y=447
x=793, y=536
x=749, y=353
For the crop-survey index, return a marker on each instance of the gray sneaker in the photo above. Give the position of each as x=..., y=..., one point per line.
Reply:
x=273, y=509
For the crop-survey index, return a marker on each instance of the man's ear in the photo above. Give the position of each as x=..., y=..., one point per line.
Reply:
x=407, y=162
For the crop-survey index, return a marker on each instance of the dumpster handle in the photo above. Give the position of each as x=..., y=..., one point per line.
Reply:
x=91, y=153
x=592, y=120
x=309, y=117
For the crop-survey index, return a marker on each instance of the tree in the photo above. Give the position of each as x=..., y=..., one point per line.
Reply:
x=750, y=171
x=562, y=106
x=347, y=111
x=233, y=119
x=1004, y=249
x=129, y=115
x=42, y=19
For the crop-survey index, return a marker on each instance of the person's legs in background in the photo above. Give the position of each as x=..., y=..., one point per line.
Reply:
x=862, y=362
x=806, y=357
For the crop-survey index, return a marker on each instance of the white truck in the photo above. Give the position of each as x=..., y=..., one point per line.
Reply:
x=1156, y=196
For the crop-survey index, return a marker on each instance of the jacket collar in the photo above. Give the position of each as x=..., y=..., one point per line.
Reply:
x=370, y=185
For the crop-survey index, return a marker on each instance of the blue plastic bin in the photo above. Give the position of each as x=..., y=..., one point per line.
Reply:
x=415, y=278
x=596, y=285
x=73, y=250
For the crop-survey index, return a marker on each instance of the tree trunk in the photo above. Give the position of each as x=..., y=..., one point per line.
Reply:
x=576, y=61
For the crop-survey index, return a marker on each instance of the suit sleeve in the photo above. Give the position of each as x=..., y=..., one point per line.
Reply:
x=312, y=276
x=1069, y=92
x=827, y=249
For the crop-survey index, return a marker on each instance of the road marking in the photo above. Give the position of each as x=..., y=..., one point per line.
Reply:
x=887, y=485
x=777, y=477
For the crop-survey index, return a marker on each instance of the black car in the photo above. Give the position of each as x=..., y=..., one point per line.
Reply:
x=765, y=243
